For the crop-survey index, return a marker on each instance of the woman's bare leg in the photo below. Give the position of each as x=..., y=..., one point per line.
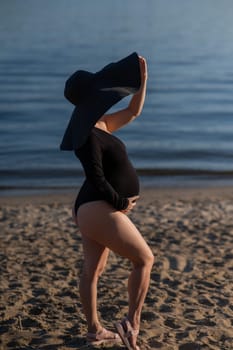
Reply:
x=95, y=258
x=113, y=229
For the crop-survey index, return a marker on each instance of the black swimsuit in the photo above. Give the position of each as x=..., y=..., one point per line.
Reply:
x=109, y=174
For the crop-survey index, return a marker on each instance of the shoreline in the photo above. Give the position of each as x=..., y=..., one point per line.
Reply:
x=69, y=181
x=154, y=193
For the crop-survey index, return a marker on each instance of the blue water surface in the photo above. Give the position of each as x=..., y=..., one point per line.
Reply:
x=186, y=126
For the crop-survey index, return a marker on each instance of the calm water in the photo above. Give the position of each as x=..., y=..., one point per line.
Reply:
x=187, y=122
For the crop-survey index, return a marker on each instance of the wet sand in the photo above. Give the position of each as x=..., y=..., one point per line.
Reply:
x=190, y=302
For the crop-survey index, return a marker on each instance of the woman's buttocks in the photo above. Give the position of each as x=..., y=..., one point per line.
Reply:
x=92, y=216
x=87, y=193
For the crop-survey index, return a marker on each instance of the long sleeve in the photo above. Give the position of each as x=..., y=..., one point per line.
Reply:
x=91, y=157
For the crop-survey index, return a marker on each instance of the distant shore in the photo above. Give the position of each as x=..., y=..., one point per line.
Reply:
x=36, y=181
x=64, y=195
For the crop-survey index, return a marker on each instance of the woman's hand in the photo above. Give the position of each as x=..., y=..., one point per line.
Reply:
x=143, y=69
x=131, y=205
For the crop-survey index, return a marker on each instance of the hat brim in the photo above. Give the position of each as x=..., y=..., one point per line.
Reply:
x=85, y=116
x=101, y=98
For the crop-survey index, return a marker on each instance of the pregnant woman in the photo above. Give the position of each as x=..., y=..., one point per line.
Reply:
x=110, y=189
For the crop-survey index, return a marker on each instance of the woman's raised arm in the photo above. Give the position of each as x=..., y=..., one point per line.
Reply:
x=118, y=119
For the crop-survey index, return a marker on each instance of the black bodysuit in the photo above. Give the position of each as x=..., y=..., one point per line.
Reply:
x=109, y=174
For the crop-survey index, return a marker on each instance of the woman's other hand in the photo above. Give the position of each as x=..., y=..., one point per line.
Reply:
x=131, y=205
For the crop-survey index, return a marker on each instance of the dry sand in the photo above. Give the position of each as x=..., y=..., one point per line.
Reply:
x=190, y=302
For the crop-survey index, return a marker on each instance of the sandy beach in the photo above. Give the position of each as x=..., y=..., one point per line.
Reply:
x=190, y=302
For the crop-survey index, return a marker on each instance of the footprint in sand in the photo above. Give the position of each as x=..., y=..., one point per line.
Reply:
x=190, y=346
x=178, y=263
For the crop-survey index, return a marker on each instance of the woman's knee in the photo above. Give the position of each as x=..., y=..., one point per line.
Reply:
x=149, y=259
x=145, y=260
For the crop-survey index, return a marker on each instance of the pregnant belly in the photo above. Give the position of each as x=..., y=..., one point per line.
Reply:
x=126, y=183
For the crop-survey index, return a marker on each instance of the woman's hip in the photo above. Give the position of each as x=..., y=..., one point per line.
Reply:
x=85, y=211
x=93, y=211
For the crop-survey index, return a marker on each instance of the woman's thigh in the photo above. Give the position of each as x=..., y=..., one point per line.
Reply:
x=111, y=228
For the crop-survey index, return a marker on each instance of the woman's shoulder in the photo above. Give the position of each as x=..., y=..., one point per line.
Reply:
x=94, y=141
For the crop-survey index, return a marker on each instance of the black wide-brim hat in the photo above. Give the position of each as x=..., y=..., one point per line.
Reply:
x=94, y=93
